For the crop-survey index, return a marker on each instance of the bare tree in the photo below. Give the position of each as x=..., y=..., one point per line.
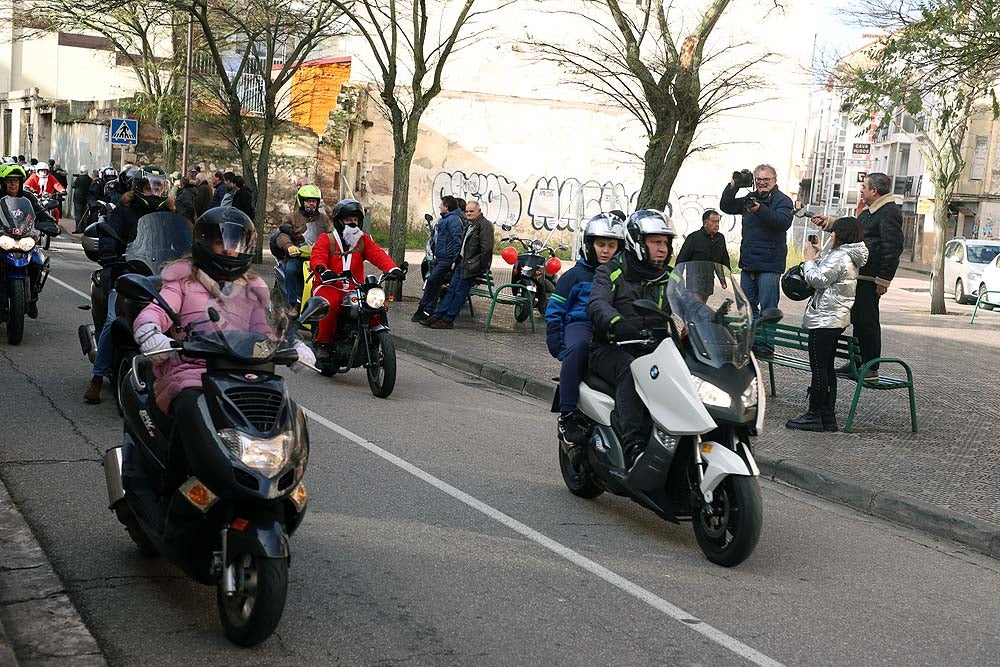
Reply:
x=641, y=61
x=148, y=37
x=938, y=65
x=410, y=49
x=253, y=49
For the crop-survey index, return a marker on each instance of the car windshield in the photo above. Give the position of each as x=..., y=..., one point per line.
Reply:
x=982, y=254
x=160, y=237
x=711, y=309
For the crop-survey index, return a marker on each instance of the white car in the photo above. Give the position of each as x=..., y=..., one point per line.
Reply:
x=990, y=280
x=964, y=263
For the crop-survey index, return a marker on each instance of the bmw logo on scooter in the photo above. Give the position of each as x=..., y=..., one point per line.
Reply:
x=654, y=372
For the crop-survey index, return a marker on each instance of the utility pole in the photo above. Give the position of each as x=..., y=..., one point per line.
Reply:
x=187, y=97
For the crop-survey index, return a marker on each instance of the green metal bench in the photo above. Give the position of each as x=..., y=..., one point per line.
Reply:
x=796, y=339
x=981, y=301
x=484, y=287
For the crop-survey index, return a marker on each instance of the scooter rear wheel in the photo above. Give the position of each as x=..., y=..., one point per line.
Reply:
x=251, y=615
x=579, y=480
x=729, y=535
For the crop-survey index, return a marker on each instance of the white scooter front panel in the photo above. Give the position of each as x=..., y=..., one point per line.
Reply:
x=665, y=386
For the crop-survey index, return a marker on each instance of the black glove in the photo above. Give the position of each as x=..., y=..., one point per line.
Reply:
x=327, y=275
x=626, y=330
x=395, y=274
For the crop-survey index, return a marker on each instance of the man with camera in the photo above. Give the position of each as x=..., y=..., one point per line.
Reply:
x=767, y=216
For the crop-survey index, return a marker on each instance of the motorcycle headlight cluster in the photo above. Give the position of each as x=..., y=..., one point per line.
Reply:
x=749, y=397
x=375, y=298
x=712, y=395
x=7, y=243
x=26, y=244
x=267, y=455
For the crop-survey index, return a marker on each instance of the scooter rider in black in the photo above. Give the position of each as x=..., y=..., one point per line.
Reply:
x=640, y=272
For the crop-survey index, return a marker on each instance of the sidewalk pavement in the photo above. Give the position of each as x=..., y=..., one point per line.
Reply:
x=944, y=480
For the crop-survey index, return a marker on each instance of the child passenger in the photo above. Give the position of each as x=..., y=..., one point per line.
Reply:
x=567, y=327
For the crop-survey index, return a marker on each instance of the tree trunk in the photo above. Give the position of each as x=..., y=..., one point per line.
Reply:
x=942, y=197
x=662, y=161
x=168, y=143
x=398, y=216
x=260, y=199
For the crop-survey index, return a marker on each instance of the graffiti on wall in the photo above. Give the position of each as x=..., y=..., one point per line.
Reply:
x=570, y=203
x=497, y=195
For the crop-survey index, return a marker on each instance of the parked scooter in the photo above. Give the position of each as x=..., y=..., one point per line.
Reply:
x=218, y=497
x=532, y=270
x=701, y=386
x=24, y=268
x=362, y=338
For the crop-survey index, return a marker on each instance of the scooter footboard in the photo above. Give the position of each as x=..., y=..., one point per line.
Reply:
x=723, y=461
x=263, y=539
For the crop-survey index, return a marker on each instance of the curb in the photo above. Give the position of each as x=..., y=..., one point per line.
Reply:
x=897, y=507
x=38, y=622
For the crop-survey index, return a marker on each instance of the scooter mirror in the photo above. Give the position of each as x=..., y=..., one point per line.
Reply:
x=134, y=286
x=315, y=309
x=506, y=228
x=428, y=217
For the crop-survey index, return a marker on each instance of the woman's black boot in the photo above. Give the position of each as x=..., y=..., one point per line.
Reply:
x=810, y=421
x=829, y=412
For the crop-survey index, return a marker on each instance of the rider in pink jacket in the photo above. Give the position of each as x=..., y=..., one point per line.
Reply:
x=215, y=276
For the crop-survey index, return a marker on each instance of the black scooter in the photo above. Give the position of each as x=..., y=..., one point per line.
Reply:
x=222, y=500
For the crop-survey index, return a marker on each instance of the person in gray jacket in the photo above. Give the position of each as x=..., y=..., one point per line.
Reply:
x=834, y=276
x=473, y=261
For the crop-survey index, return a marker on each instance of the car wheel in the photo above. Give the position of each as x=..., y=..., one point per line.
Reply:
x=959, y=292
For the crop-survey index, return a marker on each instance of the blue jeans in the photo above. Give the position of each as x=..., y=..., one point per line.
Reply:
x=294, y=282
x=762, y=290
x=576, y=345
x=432, y=286
x=454, y=298
x=105, y=350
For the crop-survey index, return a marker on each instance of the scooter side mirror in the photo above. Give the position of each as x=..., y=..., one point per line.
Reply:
x=428, y=217
x=315, y=309
x=648, y=307
x=506, y=227
x=141, y=288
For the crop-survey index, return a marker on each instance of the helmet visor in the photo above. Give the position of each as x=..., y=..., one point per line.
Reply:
x=225, y=238
x=157, y=185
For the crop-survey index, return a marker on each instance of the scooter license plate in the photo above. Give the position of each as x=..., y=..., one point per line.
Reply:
x=530, y=288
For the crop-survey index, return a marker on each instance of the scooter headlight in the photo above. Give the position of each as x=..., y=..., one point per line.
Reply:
x=375, y=298
x=26, y=244
x=7, y=243
x=267, y=455
x=749, y=397
x=712, y=395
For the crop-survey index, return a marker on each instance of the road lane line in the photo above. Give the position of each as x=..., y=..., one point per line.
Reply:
x=636, y=591
x=616, y=580
x=69, y=287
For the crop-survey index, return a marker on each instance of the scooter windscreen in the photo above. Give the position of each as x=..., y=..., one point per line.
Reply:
x=238, y=323
x=17, y=216
x=708, y=305
x=159, y=238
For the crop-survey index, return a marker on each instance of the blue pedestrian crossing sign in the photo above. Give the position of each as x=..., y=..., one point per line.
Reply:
x=124, y=132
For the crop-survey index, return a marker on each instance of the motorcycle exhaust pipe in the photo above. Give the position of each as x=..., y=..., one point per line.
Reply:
x=113, y=476
x=88, y=340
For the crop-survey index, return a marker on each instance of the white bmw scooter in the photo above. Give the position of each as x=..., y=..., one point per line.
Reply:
x=700, y=384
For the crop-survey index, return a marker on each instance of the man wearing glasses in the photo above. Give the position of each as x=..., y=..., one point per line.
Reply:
x=767, y=216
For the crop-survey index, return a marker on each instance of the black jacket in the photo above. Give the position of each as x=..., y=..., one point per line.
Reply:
x=124, y=220
x=243, y=200
x=700, y=247
x=615, y=288
x=81, y=189
x=186, y=205
x=220, y=192
x=477, y=248
x=203, y=197
x=883, y=223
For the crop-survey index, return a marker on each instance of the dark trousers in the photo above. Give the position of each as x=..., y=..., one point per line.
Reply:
x=432, y=286
x=864, y=318
x=458, y=292
x=823, y=389
x=576, y=341
x=630, y=417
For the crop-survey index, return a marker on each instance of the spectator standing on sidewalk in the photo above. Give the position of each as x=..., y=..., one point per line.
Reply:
x=203, y=196
x=242, y=197
x=706, y=244
x=186, y=195
x=81, y=196
x=448, y=237
x=767, y=217
x=474, y=260
x=220, y=188
x=882, y=221
x=835, y=278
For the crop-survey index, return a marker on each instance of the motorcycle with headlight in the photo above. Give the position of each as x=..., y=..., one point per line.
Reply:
x=700, y=382
x=219, y=495
x=24, y=267
x=532, y=270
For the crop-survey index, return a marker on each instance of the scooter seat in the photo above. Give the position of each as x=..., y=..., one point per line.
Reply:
x=597, y=384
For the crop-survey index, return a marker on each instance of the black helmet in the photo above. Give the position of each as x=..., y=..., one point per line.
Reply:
x=348, y=207
x=156, y=179
x=223, y=243
x=794, y=284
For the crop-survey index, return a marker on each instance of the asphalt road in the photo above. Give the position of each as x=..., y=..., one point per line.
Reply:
x=439, y=532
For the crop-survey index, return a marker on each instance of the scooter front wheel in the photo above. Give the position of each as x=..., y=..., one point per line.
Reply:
x=578, y=478
x=729, y=533
x=253, y=612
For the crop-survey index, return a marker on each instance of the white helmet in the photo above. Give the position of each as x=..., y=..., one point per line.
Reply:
x=602, y=225
x=42, y=166
x=642, y=224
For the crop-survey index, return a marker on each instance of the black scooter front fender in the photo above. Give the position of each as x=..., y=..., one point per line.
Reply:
x=260, y=538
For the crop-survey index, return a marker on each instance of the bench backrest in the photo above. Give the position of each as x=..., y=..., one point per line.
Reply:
x=792, y=337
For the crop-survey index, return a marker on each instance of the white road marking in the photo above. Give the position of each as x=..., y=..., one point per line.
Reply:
x=653, y=600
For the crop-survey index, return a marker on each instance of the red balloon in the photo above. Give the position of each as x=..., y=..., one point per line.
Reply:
x=509, y=255
x=552, y=266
